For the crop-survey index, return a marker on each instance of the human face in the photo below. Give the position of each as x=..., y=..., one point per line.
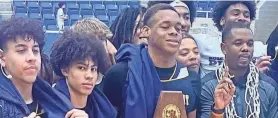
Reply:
x=21, y=59
x=81, y=77
x=185, y=18
x=164, y=33
x=239, y=48
x=110, y=50
x=235, y=13
x=189, y=54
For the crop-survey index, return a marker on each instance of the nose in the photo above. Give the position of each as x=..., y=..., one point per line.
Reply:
x=174, y=31
x=245, y=48
x=89, y=75
x=31, y=57
x=242, y=18
x=192, y=57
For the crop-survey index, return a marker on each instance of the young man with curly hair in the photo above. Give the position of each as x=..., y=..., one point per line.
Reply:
x=224, y=12
x=79, y=58
x=22, y=92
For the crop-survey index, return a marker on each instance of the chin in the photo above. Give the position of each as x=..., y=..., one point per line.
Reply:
x=30, y=80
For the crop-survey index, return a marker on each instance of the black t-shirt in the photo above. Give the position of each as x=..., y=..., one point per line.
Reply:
x=36, y=107
x=115, y=80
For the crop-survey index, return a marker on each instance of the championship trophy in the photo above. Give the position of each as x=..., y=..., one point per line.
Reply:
x=171, y=104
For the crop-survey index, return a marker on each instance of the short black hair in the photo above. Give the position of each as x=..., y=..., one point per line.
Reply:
x=123, y=27
x=60, y=4
x=221, y=7
x=272, y=42
x=189, y=3
x=32, y=29
x=153, y=10
x=77, y=46
x=227, y=30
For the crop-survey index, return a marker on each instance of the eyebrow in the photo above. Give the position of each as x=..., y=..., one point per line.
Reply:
x=20, y=45
x=82, y=63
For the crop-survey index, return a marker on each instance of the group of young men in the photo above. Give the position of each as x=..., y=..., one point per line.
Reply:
x=234, y=87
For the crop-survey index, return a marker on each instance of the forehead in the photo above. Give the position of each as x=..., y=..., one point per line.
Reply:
x=161, y=16
x=188, y=42
x=241, y=34
x=238, y=6
x=22, y=41
x=182, y=10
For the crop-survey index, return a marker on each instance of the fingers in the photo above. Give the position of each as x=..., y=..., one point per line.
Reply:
x=263, y=63
x=75, y=113
x=32, y=115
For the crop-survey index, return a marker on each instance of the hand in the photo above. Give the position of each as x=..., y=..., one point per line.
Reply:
x=263, y=63
x=32, y=115
x=75, y=113
x=224, y=91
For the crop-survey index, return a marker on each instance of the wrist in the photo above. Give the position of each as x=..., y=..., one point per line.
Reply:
x=217, y=110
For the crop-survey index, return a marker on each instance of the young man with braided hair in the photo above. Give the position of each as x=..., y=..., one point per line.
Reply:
x=238, y=89
x=228, y=11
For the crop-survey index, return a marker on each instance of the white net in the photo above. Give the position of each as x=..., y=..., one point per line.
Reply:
x=252, y=98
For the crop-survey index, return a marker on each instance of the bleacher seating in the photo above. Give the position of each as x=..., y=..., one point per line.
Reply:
x=46, y=10
x=106, y=11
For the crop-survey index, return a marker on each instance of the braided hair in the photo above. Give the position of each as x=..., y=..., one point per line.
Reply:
x=123, y=27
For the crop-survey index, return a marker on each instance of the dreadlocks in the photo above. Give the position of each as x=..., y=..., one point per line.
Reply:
x=124, y=27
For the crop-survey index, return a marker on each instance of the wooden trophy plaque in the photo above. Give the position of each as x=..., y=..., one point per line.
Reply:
x=171, y=104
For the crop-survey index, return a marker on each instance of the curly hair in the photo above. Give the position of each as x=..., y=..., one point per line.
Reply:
x=221, y=7
x=28, y=29
x=189, y=3
x=94, y=26
x=75, y=46
x=124, y=25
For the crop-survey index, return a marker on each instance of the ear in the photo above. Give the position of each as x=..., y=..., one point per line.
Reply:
x=2, y=58
x=145, y=32
x=65, y=72
x=223, y=48
x=222, y=21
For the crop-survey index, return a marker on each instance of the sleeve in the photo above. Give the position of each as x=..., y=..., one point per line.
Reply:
x=206, y=99
x=113, y=83
x=273, y=106
x=196, y=86
x=60, y=12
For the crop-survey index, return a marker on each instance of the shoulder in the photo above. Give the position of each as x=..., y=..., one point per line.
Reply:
x=119, y=70
x=267, y=82
x=209, y=78
x=10, y=110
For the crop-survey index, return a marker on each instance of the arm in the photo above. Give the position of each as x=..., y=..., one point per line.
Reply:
x=273, y=105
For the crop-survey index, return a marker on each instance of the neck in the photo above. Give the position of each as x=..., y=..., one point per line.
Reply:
x=24, y=89
x=162, y=59
x=238, y=72
x=78, y=100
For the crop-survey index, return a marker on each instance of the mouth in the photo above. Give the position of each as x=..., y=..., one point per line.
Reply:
x=88, y=85
x=193, y=65
x=31, y=68
x=244, y=57
x=173, y=42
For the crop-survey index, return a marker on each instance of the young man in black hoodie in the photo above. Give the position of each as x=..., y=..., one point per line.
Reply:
x=22, y=93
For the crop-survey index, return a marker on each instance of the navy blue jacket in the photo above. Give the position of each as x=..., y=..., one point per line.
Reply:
x=273, y=70
x=13, y=106
x=100, y=107
x=144, y=83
